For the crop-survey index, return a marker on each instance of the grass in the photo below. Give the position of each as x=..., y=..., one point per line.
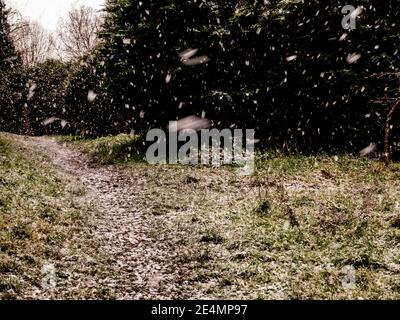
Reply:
x=289, y=231
x=43, y=226
x=110, y=149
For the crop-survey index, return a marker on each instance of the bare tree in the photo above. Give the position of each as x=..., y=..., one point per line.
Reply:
x=16, y=23
x=78, y=33
x=34, y=43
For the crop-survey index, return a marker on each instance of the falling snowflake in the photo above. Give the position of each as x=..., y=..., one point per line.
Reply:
x=91, y=96
x=49, y=121
x=188, y=59
x=353, y=58
x=291, y=58
x=343, y=37
x=368, y=150
x=31, y=93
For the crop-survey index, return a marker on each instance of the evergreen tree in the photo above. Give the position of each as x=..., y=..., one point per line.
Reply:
x=286, y=68
x=283, y=67
x=7, y=50
x=10, y=78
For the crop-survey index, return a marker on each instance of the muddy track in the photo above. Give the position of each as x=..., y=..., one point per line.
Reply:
x=140, y=267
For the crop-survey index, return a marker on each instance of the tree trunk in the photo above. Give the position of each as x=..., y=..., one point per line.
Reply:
x=388, y=131
x=27, y=122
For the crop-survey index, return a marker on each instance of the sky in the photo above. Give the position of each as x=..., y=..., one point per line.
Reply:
x=49, y=12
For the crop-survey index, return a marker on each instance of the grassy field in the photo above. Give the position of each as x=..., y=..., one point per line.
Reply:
x=44, y=229
x=289, y=231
x=111, y=149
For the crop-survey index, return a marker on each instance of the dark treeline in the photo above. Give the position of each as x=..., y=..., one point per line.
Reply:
x=285, y=68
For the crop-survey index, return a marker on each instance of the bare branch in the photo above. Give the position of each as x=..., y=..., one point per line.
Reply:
x=32, y=41
x=78, y=33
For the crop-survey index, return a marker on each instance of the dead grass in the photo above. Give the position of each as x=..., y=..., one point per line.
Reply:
x=42, y=223
x=110, y=149
x=285, y=233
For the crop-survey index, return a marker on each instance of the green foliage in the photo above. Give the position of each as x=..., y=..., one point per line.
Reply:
x=285, y=68
x=46, y=87
x=10, y=78
x=7, y=50
x=110, y=149
x=314, y=99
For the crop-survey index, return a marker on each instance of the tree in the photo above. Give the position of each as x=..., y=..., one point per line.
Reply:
x=286, y=68
x=45, y=99
x=78, y=33
x=11, y=81
x=33, y=42
x=394, y=110
x=87, y=105
x=8, y=56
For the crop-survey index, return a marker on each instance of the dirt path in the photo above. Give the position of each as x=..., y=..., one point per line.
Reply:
x=204, y=233
x=140, y=267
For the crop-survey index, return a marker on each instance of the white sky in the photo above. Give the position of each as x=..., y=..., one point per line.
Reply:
x=49, y=12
